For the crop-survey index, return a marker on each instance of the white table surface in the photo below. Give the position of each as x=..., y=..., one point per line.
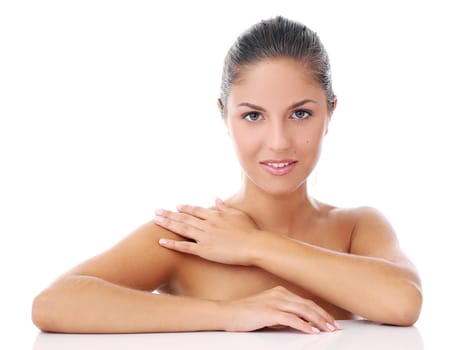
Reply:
x=355, y=335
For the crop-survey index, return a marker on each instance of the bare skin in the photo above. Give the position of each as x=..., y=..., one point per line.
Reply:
x=201, y=278
x=268, y=256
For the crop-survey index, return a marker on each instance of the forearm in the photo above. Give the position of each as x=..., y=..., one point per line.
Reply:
x=370, y=287
x=84, y=304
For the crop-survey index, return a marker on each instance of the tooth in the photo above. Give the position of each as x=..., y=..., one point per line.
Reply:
x=278, y=165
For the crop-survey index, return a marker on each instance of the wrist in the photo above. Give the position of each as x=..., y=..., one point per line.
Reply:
x=260, y=243
x=213, y=317
x=224, y=316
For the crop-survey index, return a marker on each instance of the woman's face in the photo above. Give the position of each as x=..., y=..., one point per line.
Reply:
x=277, y=117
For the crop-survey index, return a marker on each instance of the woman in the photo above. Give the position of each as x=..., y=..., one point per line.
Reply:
x=270, y=255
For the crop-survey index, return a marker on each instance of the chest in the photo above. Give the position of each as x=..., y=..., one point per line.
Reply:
x=200, y=278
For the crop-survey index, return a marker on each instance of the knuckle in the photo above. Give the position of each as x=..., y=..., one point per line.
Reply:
x=181, y=217
x=173, y=226
x=168, y=214
x=279, y=289
x=186, y=246
x=188, y=229
x=195, y=211
x=277, y=292
x=309, y=303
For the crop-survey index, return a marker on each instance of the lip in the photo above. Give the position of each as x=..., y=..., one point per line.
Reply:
x=278, y=171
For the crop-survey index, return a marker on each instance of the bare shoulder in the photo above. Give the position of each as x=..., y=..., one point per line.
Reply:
x=374, y=235
x=371, y=233
x=137, y=261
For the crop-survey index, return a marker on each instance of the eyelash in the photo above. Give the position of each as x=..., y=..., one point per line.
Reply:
x=308, y=115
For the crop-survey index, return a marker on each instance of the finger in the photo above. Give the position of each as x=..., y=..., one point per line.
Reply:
x=313, y=306
x=199, y=212
x=180, y=246
x=220, y=205
x=307, y=309
x=180, y=228
x=312, y=313
x=291, y=320
x=181, y=217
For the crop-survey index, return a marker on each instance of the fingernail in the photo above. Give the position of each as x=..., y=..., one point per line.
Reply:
x=159, y=212
x=315, y=330
x=163, y=241
x=337, y=325
x=330, y=327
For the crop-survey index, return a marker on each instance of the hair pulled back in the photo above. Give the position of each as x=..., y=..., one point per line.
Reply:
x=276, y=38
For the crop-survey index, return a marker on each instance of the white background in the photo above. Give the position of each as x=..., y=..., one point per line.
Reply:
x=108, y=111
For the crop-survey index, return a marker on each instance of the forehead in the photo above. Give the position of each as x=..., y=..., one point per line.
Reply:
x=281, y=79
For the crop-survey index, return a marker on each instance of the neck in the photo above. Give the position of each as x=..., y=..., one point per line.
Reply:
x=278, y=214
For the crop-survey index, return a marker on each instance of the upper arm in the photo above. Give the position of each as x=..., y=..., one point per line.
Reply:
x=138, y=261
x=374, y=236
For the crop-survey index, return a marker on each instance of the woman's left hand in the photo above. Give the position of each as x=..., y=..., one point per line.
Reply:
x=222, y=235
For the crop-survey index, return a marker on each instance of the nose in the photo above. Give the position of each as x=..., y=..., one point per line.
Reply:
x=278, y=138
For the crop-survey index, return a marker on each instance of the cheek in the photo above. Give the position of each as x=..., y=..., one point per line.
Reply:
x=308, y=142
x=244, y=142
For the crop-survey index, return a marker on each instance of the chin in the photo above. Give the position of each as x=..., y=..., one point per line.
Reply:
x=276, y=186
x=279, y=191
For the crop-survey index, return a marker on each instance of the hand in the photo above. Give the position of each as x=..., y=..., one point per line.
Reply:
x=276, y=307
x=222, y=235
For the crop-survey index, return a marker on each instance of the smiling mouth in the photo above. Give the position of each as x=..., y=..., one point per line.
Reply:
x=278, y=165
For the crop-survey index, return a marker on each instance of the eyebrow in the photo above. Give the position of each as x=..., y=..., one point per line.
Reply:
x=259, y=108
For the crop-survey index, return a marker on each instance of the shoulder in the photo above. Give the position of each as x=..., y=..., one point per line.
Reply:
x=340, y=215
x=370, y=232
x=357, y=216
x=148, y=235
x=136, y=261
x=374, y=235
x=143, y=245
x=369, y=219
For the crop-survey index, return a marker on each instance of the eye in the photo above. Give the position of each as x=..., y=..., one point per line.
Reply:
x=252, y=116
x=301, y=114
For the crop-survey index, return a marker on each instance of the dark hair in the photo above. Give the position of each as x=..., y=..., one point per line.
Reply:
x=274, y=38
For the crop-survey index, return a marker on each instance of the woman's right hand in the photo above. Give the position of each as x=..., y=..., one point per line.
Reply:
x=274, y=308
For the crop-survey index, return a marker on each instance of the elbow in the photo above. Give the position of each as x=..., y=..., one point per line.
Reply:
x=406, y=310
x=39, y=312
x=42, y=312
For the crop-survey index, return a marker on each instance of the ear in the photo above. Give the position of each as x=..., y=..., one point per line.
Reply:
x=220, y=106
x=334, y=103
x=331, y=114
x=222, y=113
